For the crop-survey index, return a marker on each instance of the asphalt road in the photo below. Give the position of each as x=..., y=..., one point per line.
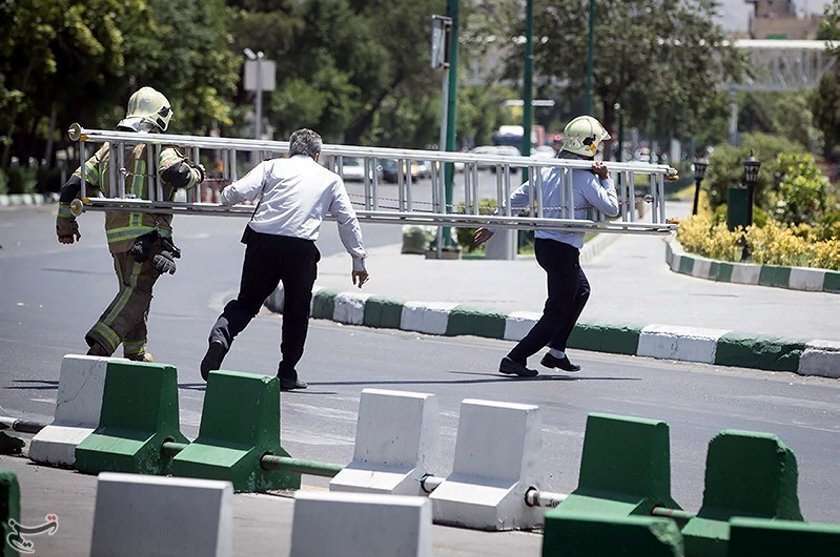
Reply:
x=50, y=294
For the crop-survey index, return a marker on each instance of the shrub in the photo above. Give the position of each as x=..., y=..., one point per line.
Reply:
x=22, y=179
x=700, y=235
x=466, y=236
x=4, y=183
x=802, y=189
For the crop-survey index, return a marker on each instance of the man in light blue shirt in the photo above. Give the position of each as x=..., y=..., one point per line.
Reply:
x=558, y=251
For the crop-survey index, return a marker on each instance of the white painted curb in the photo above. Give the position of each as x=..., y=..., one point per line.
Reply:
x=687, y=344
x=426, y=317
x=746, y=273
x=821, y=357
x=361, y=525
x=519, y=323
x=350, y=308
x=78, y=404
x=802, y=278
x=497, y=454
x=154, y=516
x=396, y=443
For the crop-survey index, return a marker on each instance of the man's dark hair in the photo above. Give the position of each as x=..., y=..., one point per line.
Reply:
x=305, y=142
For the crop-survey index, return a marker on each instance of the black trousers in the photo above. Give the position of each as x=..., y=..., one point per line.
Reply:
x=568, y=292
x=269, y=260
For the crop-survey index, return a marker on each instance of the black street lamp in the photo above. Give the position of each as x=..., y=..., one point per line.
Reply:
x=700, y=166
x=751, y=166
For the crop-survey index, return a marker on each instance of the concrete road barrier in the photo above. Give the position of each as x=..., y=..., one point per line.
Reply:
x=139, y=412
x=625, y=468
x=426, y=317
x=497, y=454
x=747, y=474
x=9, y=509
x=687, y=344
x=586, y=535
x=240, y=422
x=396, y=443
x=81, y=384
x=350, y=308
x=156, y=517
x=361, y=525
x=755, y=537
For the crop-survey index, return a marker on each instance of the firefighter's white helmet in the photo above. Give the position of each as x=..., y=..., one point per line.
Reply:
x=583, y=135
x=147, y=110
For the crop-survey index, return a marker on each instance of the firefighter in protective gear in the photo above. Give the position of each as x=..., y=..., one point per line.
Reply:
x=140, y=243
x=583, y=135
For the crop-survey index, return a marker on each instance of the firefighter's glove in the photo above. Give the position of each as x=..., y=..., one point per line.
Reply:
x=201, y=171
x=141, y=248
x=67, y=230
x=165, y=262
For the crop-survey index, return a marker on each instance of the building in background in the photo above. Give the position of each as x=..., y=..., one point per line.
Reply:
x=784, y=19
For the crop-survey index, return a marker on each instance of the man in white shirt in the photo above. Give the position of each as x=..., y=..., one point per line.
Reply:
x=295, y=195
x=558, y=252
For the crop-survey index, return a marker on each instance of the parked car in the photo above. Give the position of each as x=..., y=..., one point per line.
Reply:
x=489, y=150
x=353, y=170
x=389, y=170
x=544, y=152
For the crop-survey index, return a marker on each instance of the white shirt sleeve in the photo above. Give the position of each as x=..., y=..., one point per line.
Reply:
x=601, y=195
x=348, y=225
x=249, y=187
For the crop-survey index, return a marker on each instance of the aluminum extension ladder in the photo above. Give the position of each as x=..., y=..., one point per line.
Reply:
x=371, y=199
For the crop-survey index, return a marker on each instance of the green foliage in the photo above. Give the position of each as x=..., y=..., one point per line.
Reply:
x=726, y=166
x=21, y=179
x=784, y=114
x=801, y=197
x=466, y=236
x=825, y=101
x=4, y=183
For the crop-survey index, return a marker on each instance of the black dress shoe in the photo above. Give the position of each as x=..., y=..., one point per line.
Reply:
x=562, y=363
x=512, y=367
x=213, y=358
x=290, y=384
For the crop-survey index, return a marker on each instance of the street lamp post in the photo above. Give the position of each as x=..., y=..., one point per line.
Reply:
x=258, y=57
x=751, y=166
x=700, y=165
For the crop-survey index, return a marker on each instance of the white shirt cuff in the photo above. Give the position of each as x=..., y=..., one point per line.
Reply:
x=358, y=264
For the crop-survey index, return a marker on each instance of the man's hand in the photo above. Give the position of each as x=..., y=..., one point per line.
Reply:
x=359, y=278
x=164, y=262
x=482, y=235
x=67, y=230
x=600, y=170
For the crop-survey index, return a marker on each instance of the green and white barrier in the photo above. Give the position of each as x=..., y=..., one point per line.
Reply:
x=755, y=537
x=396, y=443
x=9, y=510
x=586, y=535
x=147, y=515
x=81, y=384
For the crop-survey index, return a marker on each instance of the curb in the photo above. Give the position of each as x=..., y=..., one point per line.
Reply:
x=24, y=199
x=668, y=342
x=793, y=278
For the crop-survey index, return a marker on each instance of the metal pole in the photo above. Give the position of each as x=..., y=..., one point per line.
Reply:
x=258, y=120
x=696, y=197
x=590, y=46
x=620, y=111
x=22, y=426
x=300, y=466
x=527, y=82
x=452, y=106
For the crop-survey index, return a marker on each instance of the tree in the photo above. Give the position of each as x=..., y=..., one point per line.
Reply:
x=662, y=60
x=826, y=99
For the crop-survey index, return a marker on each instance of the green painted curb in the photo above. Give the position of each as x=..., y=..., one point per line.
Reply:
x=383, y=313
x=747, y=474
x=601, y=337
x=464, y=320
x=772, y=275
x=323, y=304
x=768, y=353
x=831, y=281
x=754, y=537
x=139, y=412
x=584, y=535
x=625, y=468
x=724, y=273
x=9, y=509
x=686, y=265
x=240, y=422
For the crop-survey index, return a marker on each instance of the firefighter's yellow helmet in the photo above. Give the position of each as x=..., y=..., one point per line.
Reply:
x=147, y=109
x=583, y=135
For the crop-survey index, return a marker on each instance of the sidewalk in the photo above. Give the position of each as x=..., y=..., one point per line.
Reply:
x=633, y=289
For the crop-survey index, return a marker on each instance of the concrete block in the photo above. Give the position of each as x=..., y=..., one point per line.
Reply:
x=497, y=455
x=323, y=304
x=350, y=308
x=625, y=468
x=585, y=535
x=240, y=422
x=687, y=344
x=9, y=510
x=81, y=383
x=744, y=273
x=604, y=337
x=383, y=313
x=396, y=443
x=754, y=537
x=361, y=525
x=821, y=357
x=426, y=317
x=519, y=323
x=802, y=278
x=701, y=268
x=675, y=263
x=157, y=517
x=747, y=474
x=465, y=320
x=760, y=352
x=139, y=412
